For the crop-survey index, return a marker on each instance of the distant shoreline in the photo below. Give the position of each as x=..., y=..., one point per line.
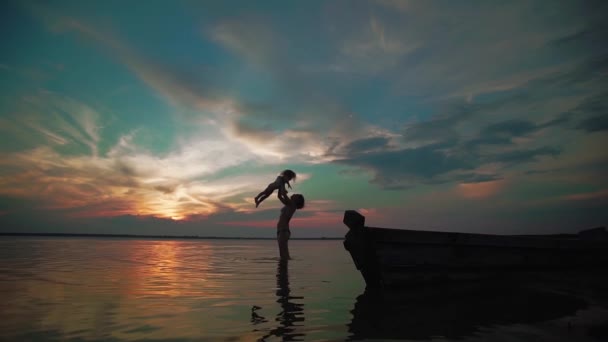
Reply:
x=169, y=237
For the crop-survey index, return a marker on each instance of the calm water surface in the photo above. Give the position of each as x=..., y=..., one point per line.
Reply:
x=96, y=289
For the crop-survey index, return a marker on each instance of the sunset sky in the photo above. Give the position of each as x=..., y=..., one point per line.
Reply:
x=168, y=117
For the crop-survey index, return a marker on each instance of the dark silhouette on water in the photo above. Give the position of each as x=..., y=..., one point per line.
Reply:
x=291, y=204
x=391, y=258
x=291, y=312
x=454, y=311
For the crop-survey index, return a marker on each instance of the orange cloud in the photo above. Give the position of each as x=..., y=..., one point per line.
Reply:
x=587, y=195
x=480, y=190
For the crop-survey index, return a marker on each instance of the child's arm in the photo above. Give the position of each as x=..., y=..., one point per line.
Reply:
x=284, y=199
x=289, y=185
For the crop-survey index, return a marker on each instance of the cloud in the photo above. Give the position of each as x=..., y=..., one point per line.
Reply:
x=594, y=195
x=511, y=128
x=525, y=125
x=252, y=38
x=464, y=50
x=179, y=87
x=233, y=118
x=396, y=169
x=454, y=147
x=118, y=183
x=317, y=115
x=480, y=190
x=373, y=49
x=487, y=62
x=366, y=145
x=517, y=157
x=595, y=123
x=47, y=117
x=125, y=179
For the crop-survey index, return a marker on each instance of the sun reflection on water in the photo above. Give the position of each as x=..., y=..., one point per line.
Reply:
x=161, y=267
x=148, y=289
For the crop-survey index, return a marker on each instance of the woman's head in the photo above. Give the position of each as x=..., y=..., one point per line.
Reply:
x=289, y=175
x=298, y=200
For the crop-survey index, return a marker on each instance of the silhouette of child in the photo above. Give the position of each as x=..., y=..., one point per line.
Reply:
x=278, y=184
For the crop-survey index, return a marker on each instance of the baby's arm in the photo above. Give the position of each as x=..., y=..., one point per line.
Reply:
x=282, y=191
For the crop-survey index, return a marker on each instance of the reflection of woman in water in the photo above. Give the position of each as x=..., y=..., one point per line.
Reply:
x=291, y=312
x=291, y=205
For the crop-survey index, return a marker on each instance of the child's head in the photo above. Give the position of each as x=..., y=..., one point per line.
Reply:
x=298, y=200
x=289, y=175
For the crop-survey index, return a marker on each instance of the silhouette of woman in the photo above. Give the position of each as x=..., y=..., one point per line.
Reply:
x=283, y=233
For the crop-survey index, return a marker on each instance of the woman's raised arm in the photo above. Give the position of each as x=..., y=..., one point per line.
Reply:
x=283, y=197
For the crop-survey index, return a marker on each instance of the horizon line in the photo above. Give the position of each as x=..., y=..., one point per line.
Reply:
x=164, y=236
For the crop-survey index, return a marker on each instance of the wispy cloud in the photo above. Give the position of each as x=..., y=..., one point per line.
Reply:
x=251, y=37
x=173, y=85
x=480, y=190
x=46, y=117
x=374, y=49
x=316, y=121
x=124, y=182
x=127, y=178
x=587, y=195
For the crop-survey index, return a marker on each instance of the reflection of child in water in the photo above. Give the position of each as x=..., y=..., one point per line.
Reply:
x=278, y=184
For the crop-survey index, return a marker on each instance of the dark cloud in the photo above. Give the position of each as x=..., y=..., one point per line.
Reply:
x=517, y=157
x=594, y=105
x=502, y=133
x=595, y=124
x=542, y=172
x=582, y=78
x=594, y=33
x=366, y=145
x=511, y=127
x=125, y=169
x=560, y=120
x=451, y=156
x=595, y=169
x=441, y=127
x=165, y=189
x=259, y=133
x=453, y=113
x=478, y=178
x=433, y=165
x=592, y=112
x=396, y=169
x=454, y=151
x=585, y=77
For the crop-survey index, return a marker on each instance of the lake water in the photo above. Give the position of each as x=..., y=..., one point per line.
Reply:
x=111, y=289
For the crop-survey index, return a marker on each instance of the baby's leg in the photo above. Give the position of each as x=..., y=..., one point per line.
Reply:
x=259, y=196
x=261, y=199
